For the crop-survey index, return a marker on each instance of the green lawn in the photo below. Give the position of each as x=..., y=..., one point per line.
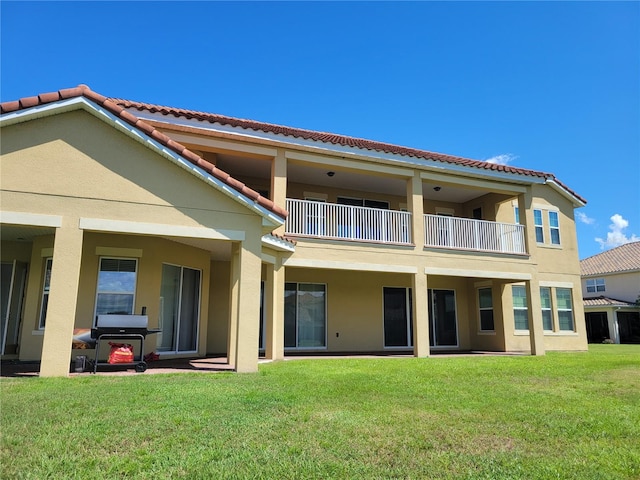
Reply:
x=558, y=416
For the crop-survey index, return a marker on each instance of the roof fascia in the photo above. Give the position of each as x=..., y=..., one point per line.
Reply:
x=344, y=150
x=68, y=105
x=277, y=243
x=575, y=200
x=609, y=274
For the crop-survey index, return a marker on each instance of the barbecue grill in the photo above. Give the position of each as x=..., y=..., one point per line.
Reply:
x=125, y=328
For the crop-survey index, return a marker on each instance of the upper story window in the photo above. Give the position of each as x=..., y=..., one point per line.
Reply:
x=537, y=220
x=116, y=286
x=546, y=221
x=363, y=202
x=554, y=228
x=595, y=285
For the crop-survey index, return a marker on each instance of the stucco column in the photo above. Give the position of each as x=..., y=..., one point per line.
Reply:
x=612, y=321
x=274, y=305
x=279, y=184
x=63, y=297
x=416, y=207
x=248, y=305
x=234, y=286
x=420, y=314
x=525, y=208
x=536, y=329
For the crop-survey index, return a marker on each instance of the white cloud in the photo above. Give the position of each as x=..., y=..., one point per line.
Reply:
x=585, y=219
x=502, y=159
x=616, y=236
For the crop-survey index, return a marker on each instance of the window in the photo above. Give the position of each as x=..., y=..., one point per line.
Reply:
x=520, y=309
x=537, y=220
x=116, y=286
x=305, y=318
x=45, y=291
x=359, y=202
x=485, y=302
x=398, y=327
x=565, y=309
x=545, y=301
x=554, y=228
x=516, y=214
x=595, y=285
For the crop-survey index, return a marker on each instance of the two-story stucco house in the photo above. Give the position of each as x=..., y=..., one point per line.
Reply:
x=244, y=238
x=611, y=290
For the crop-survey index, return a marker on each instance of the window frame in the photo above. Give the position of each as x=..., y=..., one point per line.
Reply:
x=485, y=309
x=570, y=310
x=519, y=308
x=548, y=309
x=596, y=283
x=46, y=286
x=538, y=227
x=297, y=347
x=554, y=228
x=98, y=291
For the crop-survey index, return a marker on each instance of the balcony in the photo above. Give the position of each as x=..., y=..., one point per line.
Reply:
x=476, y=235
x=344, y=222
x=363, y=224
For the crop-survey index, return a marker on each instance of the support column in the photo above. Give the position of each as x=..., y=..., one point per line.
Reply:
x=63, y=297
x=274, y=304
x=234, y=286
x=279, y=184
x=416, y=207
x=420, y=314
x=248, y=305
x=536, y=329
x=612, y=321
x=525, y=208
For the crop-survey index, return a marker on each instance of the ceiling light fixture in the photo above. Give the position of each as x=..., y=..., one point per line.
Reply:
x=330, y=174
x=437, y=189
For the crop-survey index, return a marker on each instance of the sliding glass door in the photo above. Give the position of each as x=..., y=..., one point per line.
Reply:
x=443, y=329
x=305, y=318
x=398, y=327
x=179, y=309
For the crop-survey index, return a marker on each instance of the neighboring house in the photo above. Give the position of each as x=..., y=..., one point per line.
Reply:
x=611, y=290
x=244, y=238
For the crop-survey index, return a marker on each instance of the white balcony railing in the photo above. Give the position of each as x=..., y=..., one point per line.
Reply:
x=344, y=222
x=469, y=234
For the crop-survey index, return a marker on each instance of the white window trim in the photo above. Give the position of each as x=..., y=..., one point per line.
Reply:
x=326, y=319
x=480, y=309
x=520, y=331
x=135, y=287
x=595, y=285
x=550, y=309
x=41, y=325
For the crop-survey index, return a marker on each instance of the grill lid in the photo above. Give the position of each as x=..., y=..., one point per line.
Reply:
x=122, y=321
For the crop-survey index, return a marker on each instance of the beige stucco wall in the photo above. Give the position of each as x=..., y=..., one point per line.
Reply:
x=76, y=167
x=621, y=286
x=218, y=330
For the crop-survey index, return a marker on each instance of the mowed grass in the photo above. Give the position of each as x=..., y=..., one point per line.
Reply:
x=564, y=415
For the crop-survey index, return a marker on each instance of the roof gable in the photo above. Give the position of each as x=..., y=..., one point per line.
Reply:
x=64, y=99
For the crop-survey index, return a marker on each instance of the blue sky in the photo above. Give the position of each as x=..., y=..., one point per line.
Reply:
x=549, y=86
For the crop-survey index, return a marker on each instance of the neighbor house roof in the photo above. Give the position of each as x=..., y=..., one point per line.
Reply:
x=606, y=302
x=123, y=114
x=620, y=259
x=335, y=139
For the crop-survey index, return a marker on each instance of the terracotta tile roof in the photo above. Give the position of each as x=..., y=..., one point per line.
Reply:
x=606, y=302
x=620, y=259
x=121, y=112
x=334, y=139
